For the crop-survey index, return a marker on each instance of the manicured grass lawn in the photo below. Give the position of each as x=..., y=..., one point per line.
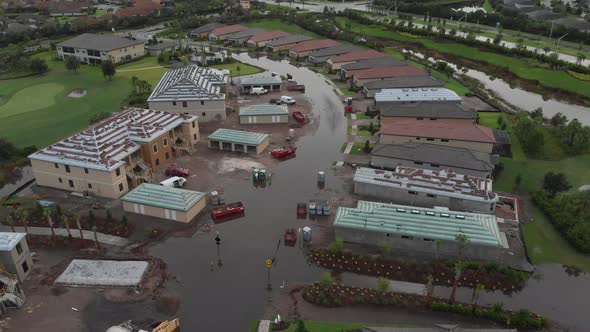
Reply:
x=100, y=12
x=359, y=116
x=359, y=149
x=281, y=25
x=532, y=171
x=545, y=244
x=37, y=111
x=373, y=30
x=347, y=92
x=245, y=69
x=146, y=69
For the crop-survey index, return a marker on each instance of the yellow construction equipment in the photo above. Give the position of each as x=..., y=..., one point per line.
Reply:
x=168, y=326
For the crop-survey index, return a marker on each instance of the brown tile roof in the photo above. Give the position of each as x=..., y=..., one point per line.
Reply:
x=357, y=55
x=228, y=29
x=431, y=129
x=312, y=45
x=386, y=72
x=268, y=35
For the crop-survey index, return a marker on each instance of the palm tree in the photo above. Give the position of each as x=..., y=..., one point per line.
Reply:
x=10, y=222
x=47, y=215
x=462, y=239
x=95, y=236
x=78, y=219
x=66, y=221
x=23, y=215
x=546, y=49
x=580, y=58
x=458, y=272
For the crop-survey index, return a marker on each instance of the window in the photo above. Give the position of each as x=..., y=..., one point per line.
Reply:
x=431, y=195
x=25, y=267
x=428, y=240
x=121, y=187
x=400, y=210
x=171, y=133
x=417, y=138
x=90, y=186
x=194, y=124
x=118, y=172
x=435, y=165
x=430, y=213
x=203, y=114
x=419, y=118
x=167, y=155
x=433, y=118
x=165, y=142
x=195, y=136
x=444, y=140
x=418, y=162
x=388, y=235
x=415, y=212
x=86, y=170
x=19, y=248
x=155, y=148
x=445, y=215
x=67, y=168
x=173, y=103
x=460, y=216
x=60, y=180
x=56, y=165
x=411, y=192
x=184, y=104
x=407, y=237
x=157, y=161
x=430, y=139
x=202, y=102
x=71, y=183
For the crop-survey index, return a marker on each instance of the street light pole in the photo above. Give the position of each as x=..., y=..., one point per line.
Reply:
x=558, y=40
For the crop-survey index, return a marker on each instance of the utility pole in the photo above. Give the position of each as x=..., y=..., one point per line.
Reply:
x=551, y=31
x=558, y=40
x=268, y=266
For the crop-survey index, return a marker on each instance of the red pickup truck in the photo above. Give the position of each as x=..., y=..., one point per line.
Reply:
x=298, y=87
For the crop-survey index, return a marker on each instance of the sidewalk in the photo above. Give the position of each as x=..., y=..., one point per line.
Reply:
x=89, y=235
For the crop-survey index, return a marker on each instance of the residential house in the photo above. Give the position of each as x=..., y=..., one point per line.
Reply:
x=417, y=94
x=15, y=255
x=221, y=33
x=469, y=136
x=270, y=83
x=263, y=114
x=371, y=88
x=392, y=112
x=286, y=43
x=241, y=37
x=302, y=50
x=337, y=61
x=94, y=49
x=349, y=69
x=203, y=31
x=433, y=157
x=362, y=76
x=238, y=141
x=322, y=56
x=419, y=230
x=109, y=157
x=261, y=39
x=67, y=8
x=162, y=46
x=192, y=90
x=427, y=188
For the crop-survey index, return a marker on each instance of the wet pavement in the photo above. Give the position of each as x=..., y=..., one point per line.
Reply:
x=227, y=298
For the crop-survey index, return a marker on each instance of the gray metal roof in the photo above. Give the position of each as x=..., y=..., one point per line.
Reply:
x=436, y=328
x=434, y=224
x=442, y=182
x=163, y=197
x=417, y=94
x=190, y=83
x=9, y=240
x=502, y=137
x=264, y=110
x=99, y=42
x=374, y=63
x=288, y=40
x=336, y=50
x=238, y=136
x=442, y=110
x=445, y=156
x=404, y=82
x=207, y=28
x=245, y=33
x=261, y=80
x=163, y=45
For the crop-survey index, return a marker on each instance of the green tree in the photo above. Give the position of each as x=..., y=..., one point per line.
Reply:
x=300, y=327
x=7, y=150
x=580, y=58
x=108, y=69
x=336, y=247
x=517, y=182
x=72, y=63
x=367, y=147
x=38, y=66
x=537, y=114
x=558, y=120
x=498, y=38
x=327, y=280
x=23, y=216
x=462, y=241
x=529, y=135
x=554, y=183
x=575, y=136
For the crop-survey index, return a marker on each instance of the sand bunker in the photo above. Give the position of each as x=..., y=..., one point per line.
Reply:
x=77, y=93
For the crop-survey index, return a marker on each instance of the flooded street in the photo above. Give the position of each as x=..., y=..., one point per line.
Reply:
x=230, y=296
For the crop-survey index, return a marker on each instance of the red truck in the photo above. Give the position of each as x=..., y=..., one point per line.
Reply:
x=228, y=209
x=297, y=87
x=175, y=170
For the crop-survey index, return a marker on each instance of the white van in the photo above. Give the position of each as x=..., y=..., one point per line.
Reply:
x=258, y=91
x=286, y=100
x=174, y=182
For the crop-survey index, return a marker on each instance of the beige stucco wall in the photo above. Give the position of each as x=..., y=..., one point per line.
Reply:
x=13, y=261
x=206, y=112
x=477, y=146
x=337, y=66
x=105, y=184
x=118, y=55
x=159, y=212
x=190, y=130
x=264, y=119
x=262, y=146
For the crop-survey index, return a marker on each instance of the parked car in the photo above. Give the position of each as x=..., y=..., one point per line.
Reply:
x=175, y=170
x=174, y=182
x=258, y=91
x=297, y=87
x=286, y=100
x=273, y=101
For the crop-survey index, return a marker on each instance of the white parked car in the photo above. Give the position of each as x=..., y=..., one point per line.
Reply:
x=174, y=182
x=286, y=100
x=258, y=91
